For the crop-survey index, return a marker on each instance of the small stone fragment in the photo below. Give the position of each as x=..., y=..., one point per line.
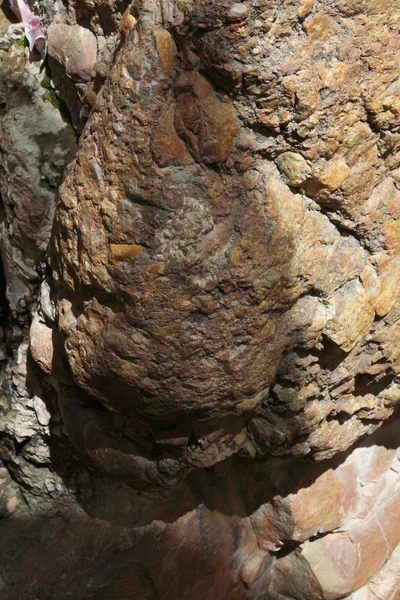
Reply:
x=121, y=252
x=166, y=48
x=128, y=22
x=305, y=8
x=334, y=174
x=294, y=168
x=41, y=344
x=46, y=303
x=321, y=27
x=43, y=415
x=388, y=287
x=237, y=12
x=168, y=148
x=352, y=315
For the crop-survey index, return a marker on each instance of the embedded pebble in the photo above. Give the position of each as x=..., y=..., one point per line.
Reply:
x=237, y=12
x=305, y=8
x=294, y=168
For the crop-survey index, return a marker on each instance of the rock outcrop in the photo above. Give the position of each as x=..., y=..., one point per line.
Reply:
x=206, y=404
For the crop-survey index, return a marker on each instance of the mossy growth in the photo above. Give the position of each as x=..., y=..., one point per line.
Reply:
x=55, y=100
x=46, y=81
x=20, y=42
x=46, y=84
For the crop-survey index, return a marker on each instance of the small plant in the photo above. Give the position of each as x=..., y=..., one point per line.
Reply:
x=55, y=100
x=46, y=81
x=20, y=42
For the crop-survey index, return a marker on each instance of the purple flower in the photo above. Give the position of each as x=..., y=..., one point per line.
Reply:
x=33, y=29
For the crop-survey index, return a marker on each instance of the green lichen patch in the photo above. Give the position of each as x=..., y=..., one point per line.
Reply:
x=46, y=81
x=56, y=101
x=20, y=42
x=47, y=85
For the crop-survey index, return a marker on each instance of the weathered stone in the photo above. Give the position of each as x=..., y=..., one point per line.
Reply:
x=294, y=168
x=75, y=48
x=223, y=287
x=41, y=344
x=237, y=12
x=352, y=315
x=305, y=8
x=333, y=174
x=35, y=146
x=166, y=49
x=278, y=244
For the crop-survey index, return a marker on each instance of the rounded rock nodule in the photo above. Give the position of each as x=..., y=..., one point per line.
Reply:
x=237, y=12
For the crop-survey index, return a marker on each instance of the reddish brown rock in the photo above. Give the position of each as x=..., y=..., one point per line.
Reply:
x=168, y=147
x=225, y=265
x=206, y=123
x=222, y=251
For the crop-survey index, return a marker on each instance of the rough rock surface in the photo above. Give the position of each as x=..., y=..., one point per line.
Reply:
x=206, y=403
x=35, y=146
x=75, y=48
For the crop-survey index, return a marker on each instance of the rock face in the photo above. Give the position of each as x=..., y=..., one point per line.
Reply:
x=212, y=375
x=223, y=275
x=35, y=146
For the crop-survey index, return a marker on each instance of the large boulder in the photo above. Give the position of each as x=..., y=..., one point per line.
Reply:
x=225, y=248
x=206, y=403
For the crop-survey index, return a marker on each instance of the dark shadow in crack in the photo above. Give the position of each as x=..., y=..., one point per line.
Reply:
x=195, y=539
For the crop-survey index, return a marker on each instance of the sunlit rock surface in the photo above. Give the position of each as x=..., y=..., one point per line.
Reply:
x=206, y=403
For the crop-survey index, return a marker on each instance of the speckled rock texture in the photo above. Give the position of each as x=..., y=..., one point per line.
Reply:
x=206, y=405
x=35, y=146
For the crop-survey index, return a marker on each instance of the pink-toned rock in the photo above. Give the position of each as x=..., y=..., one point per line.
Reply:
x=75, y=47
x=41, y=344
